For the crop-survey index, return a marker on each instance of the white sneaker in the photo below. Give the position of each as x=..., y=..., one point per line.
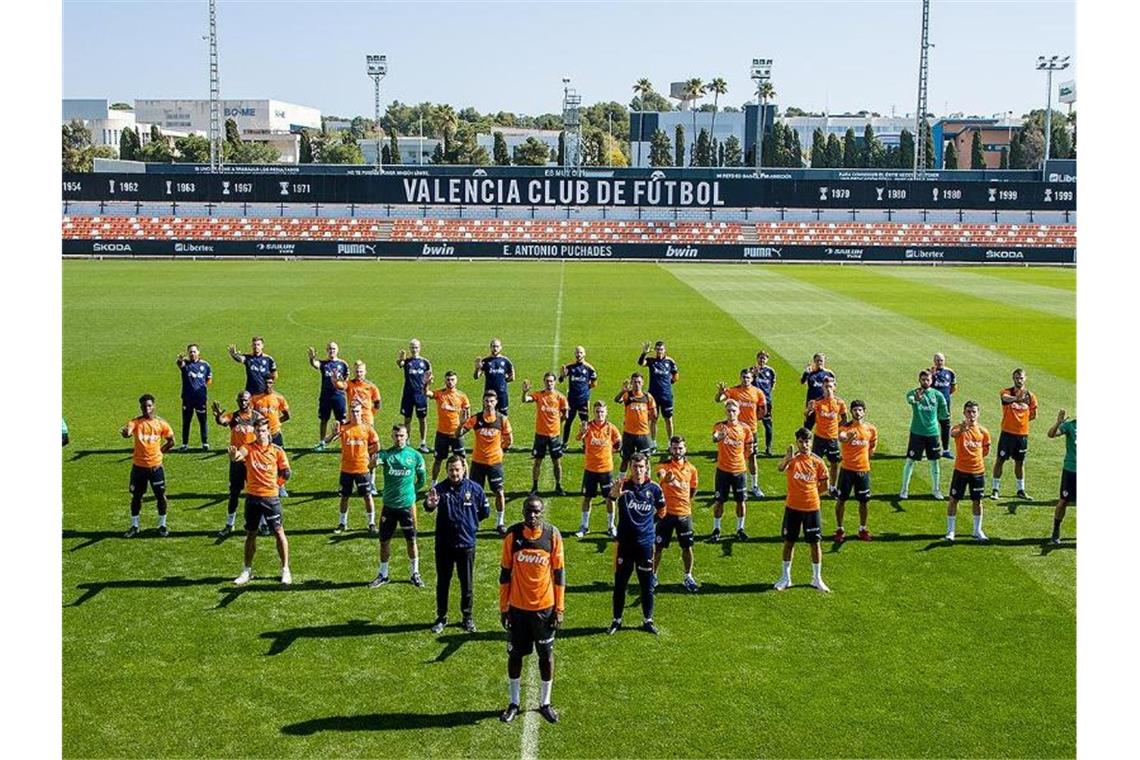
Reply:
x=903, y=495
x=819, y=585
x=949, y=536
x=612, y=532
x=938, y=496
x=286, y=576
x=244, y=578
x=980, y=536
x=757, y=493
x=783, y=583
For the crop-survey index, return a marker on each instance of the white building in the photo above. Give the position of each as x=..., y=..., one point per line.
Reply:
x=887, y=129
x=516, y=136
x=413, y=150
x=107, y=124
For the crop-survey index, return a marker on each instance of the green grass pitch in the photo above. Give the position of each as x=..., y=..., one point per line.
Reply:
x=922, y=649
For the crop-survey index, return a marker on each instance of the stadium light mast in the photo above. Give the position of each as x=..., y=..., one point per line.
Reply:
x=921, y=128
x=377, y=68
x=1049, y=65
x=216, y=155
x=761, y=74
x=572, y=126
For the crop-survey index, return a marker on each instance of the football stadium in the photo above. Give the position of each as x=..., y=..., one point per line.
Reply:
x=791, y=527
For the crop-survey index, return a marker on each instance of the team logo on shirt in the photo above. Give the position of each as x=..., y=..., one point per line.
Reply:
x=808, y=477
x=531, y=559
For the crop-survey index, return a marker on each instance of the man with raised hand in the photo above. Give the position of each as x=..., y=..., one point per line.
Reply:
x=358, y=446
x=452, y=408
x=258, y=365
x=806, y=479
x=152, y=437
x=828, y=412
x=196, y=378
x=417, y=376
x=1018, y=409
x=492, y=438
x=240, y=422
x=663, y=374
x=640, y=504
x=532, y=592
x=972, y=442
x=551, y=410
x=639, y=419
x=927, y=405
x=266, y=465
x=496, y=370
x=598, y=436
x=1068, y=492
x=334, y=378
x=678, y=480
x=857, y=441
x=462, y=505
x=734, y=444
x=814, y=375
x=752, y=405
x=943, y=380
x=581, y=378
x=764, y=378
x=404, y=475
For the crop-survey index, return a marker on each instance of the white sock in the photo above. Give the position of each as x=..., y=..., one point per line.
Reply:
x=908, y=470
x=162, y=521
x=498, y=518
x=716, y=523
x=544, y=688
x=950, y=522
x=997, y=485
x=978, y=523
x=230, y=519
x=513, y=689
x=372, y=518
x=416, y=564
x=248, y=569
x=344, y=518
x=815, y=570
x=787, y=569
x=134, y=521
x=863, y=528
x=688, y=576
x=585, y=524
x=1021, y=484
x=383, y=568
x=609, y=519
x=740, y=523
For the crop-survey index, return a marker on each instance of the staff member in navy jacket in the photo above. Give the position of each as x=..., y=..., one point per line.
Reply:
x=462, y=505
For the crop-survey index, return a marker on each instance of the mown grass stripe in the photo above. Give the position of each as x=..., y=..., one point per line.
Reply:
x=1022, y=295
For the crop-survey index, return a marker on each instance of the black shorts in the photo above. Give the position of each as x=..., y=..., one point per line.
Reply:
x=413, y=402
x=258, y=508
x=682, y=524
x=237, y=477
x=488, y=476
x=664, y=405
x=917, y=444
x=1012, y=446
x=332, y=406
x=827, y=448
x=155, y=477
x=546, y=444
x=199, y=406
x=638, y=554
x=593, y=482
x=960, y=482
x=635, y=444
x=390, y=516
x=796, y=520
x=531, y=630
x=1068, y=486
x=858, y=483
x=581, y=409
x=725, y=481
x=277, y=439
x=445, y=445
x=361, y=482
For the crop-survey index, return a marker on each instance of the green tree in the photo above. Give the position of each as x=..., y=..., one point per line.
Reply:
x=233, y=136
x=341, y=150
x=129, y=144
x=906, y=150
x=732, y=153
x=950, y=158
x=502, y=157
x=250, y=152
x=445, y=123
x=717, y=87
x=1033, y=147
x=818, y=149
x=560, y=156
x=660, y=150
x=679, y=146
x=872, y=151
x=437, y=154
x=595, y=140
x=120, y=107
x=385, y=155
x=192, y=149
x=795, y=151
x=850, y=150
x=1017, y=152
x=532, y=152
x=977, y=156
x=929, y=142
x=704, y=148
x=694, y=89
x=642, y=88
x=77, y=151
x=1004, y=160
x=834, y=151
x=306, y=150
x=156, y=152
x=393, y=147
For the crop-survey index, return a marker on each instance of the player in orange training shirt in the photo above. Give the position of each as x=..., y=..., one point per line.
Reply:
x=266, y=466
x=807, y=479
x=153, y=437
x=552, y=410
x=972, y=444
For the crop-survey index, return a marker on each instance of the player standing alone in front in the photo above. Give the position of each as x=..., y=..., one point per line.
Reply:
x=152, y=438
x=417, y=376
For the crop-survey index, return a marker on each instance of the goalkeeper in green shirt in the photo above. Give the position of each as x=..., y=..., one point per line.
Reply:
x=927, y=405
x=404, y=475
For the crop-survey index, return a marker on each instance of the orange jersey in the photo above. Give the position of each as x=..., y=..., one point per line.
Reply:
x=828, y=414
x=366, y=392
x=449, y=406
x=598, y=441
x=972, y=447
x=270, y=406
x=531, y=574
x=733, y=450
x=552, y=407
x=490, y=437
x=859, y=438
x=357, y=444
x=679, y=492
x=805, y=474
x=263, y=465
x=148, y=436
x=751, y=401
x=1015, y=416
x=638, y=410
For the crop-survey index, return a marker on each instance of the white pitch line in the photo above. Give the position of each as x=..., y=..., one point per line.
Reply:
x=558, y=314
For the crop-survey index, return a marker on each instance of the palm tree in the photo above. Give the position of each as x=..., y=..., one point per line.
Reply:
x=717, y=87
x=641, y=88
x=767, y=92
x=693, y=89
x=445, y=121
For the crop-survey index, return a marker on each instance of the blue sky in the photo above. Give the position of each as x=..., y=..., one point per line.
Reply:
x=846, y=55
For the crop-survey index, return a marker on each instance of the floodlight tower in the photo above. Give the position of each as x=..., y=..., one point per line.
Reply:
x=216, y=155
x=921, y=127
x=377, y=68
x=571, y=125
x=761, y=72
x=1049, y=65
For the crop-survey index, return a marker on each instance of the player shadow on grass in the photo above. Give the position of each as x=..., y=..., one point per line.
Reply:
x=410, y=721
x=83, y=453
x=282, y=640
x=169, y=582
x=708, y=587
x=965, y=540
x=92, y=537
x=271, y=585
x=454, y=641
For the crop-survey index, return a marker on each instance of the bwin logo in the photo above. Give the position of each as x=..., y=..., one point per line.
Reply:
x=657, y=175
x=879, y=193
x=823, y=193
x=284, y=187
x=688, y=252
x=531, y=559
x=993, y=194
x=443, y=249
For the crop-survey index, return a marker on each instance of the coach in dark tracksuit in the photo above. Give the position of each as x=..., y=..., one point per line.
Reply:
x=461, y=504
